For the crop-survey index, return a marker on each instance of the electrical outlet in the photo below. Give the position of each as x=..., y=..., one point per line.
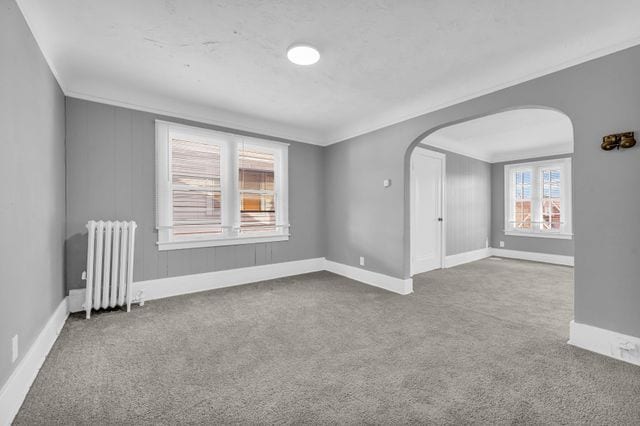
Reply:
x=501, y=243
x=14, y=348
x=386, y=183
x=361, y=260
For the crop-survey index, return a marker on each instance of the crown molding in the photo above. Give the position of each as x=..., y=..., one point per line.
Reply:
x=439, y=142
x=198, y=114
x=536, y=153
x=330, y=136
x=386, y=119
x=203, y=115
x=545, y=151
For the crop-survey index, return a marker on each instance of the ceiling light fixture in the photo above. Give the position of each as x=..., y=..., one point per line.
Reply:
x=303, y=54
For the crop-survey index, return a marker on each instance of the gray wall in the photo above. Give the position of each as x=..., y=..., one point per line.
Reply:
x=111, y=175
x=511, y=242
x=600, y=97
x=468, y=202
x=31, y=188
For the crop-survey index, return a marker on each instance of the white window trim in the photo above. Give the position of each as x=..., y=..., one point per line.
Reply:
x=230, y=213
x=565, y=198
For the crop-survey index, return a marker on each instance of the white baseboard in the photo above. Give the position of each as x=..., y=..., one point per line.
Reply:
x=536, y=257
x=472, y=256
x=184, y=284
x=605, y=342
x=396, y=285
x=174, y=286
x=466, y=257
x=193, y=283
x=15, y=389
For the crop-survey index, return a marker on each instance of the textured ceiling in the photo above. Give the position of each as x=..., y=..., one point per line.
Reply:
x=511, y=135
x=224, y=61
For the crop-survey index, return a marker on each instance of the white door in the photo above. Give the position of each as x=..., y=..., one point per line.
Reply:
x=427, y=191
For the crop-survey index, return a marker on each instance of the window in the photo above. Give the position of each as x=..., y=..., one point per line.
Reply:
x=257, y=192
x=538, y=199
x=217, y=188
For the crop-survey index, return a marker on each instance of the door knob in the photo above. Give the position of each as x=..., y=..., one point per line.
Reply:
x=439, y=219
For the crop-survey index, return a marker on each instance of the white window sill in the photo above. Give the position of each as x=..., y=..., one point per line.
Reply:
x=556, y=235
x=216, y=242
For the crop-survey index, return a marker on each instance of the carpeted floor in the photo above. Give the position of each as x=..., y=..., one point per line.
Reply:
x=480, y=343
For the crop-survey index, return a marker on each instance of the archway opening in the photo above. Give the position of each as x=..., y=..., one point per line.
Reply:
x=497, y=191
x=504, y=190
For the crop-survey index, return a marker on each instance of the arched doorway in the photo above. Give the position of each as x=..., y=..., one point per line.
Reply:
x=483, y=210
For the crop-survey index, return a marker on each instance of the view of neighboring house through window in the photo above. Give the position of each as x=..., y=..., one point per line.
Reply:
x=216, y=188
x=538, y=198
x=551, y=202
x=522, y=187
x=257, y=195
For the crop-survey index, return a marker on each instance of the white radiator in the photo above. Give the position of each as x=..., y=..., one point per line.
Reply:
x=109, y=271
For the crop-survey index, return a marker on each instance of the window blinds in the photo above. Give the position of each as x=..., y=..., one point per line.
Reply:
x=256, y=174
x=195, y=188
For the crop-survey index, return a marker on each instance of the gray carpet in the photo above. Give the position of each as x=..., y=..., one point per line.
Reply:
x=480, y=343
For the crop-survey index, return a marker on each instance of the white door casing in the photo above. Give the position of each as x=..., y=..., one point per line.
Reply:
x=427, y=210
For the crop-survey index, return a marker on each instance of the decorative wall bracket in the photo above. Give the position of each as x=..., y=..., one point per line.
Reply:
x=617, y=141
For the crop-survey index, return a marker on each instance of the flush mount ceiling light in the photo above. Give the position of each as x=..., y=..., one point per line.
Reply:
x=303, y=54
